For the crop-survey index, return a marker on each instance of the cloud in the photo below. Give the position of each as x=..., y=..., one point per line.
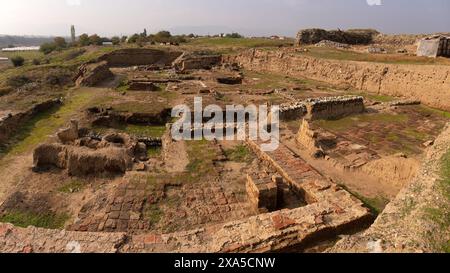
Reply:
x=374, y=2
x=73, y=3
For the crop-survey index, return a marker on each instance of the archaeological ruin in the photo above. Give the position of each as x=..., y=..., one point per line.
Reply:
x=96, y=168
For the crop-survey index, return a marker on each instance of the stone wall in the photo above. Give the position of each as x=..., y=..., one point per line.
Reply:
x=292, y=111
x=426, y=83
x=334, y=107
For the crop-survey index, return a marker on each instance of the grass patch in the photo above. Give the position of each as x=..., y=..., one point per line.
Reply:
x=153, y=152
x=376, y=204
x=153, y=214
x=431, y=111
x=239, y=154
x=145, y=131
x=347, y=55
x=154, y=131
x=201, y=159
x=37, y=129
x=72, y=187
x=441, y=215
x=42, y=220
x=227, y=45
x=124, y=86
x=348, y=122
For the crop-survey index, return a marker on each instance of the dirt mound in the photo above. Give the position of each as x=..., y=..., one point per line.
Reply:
x=83, y=162
x=92, y=74
x=314, y=36
x=48, y=155
x=140, y=56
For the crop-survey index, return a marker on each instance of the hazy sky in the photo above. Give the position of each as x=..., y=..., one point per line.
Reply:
x=250, y=17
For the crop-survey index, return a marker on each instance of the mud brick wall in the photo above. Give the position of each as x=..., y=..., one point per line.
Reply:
x=262, y=192
x=334, y=107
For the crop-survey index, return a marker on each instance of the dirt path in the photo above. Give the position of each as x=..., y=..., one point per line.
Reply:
x=176, y=158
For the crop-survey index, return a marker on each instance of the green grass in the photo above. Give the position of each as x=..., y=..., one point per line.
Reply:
x=42, y=220
x=155, y=131
x=138, y=107
x=375, y=204
x=27, y=55
x=347, y=55
x=441, y=215
x=72, y=187
x=348, y=122
x=375, y=97
x=36, y=130
x=153, y=214
x=230, y=44
x=239, y=154
x=153, y=152
x=431, y=111
x=201, y=159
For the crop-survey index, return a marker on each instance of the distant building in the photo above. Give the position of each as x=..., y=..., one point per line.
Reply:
x=21, y=48
x=434, y=46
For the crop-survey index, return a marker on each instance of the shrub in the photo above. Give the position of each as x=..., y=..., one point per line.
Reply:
x=95, y=40
x=84, y=39
x=47, y=48
x=17, y=61
x=18, y=81
x=60, y=42
x=115, y=40
x=36, y=61
x=233, y=35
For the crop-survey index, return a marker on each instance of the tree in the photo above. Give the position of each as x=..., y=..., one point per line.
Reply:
x=47, y=48
x=115, y=40
x=17, y=61
x=144, y=34
x=123, y=39
x=163, y=34
x=95, y=40
x=234, y=35
x=133, y=39
x=60, y=42
x=84, y=39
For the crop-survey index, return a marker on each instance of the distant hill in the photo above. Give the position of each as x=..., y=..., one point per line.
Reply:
x=7, y=40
